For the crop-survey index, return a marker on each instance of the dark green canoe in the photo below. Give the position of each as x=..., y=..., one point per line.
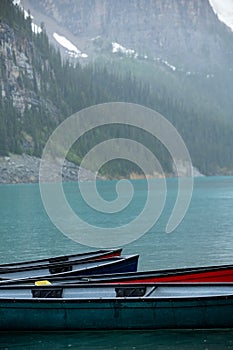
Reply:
x=96, y=306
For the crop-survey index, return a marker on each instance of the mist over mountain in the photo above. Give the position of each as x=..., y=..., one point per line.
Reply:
x=188, y=34
x=180, y=45
x=172, y=56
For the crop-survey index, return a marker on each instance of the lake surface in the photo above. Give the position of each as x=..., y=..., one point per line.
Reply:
x=204, y=237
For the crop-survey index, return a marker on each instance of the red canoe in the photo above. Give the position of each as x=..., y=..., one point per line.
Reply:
x=222, y=273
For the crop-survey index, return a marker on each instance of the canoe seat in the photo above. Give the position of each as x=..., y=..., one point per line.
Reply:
x=130, y=292
x=60, y=268
x=46, y=292
x=42, y=283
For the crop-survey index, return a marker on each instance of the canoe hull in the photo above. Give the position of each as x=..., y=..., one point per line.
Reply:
x=76, y=268
x=221, y=275
x=116, y=314
x=212, y=274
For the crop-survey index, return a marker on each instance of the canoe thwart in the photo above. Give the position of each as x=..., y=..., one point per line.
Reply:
x=60, y=268
x=130, y=292
x=46, y=292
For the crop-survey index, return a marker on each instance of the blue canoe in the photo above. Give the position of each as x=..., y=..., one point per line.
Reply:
x=72, y=268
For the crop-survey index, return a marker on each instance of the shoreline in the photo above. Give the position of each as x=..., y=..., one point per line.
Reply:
x=16, y=169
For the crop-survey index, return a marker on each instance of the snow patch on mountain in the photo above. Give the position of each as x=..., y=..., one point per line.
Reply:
x=166, y=63
x=35, y=28
x=72, y=50
x=224, y=11
x=116, y=47
x=16, y=2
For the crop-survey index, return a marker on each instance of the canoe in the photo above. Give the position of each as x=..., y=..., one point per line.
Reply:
x=72, y=268
x=107, y=306
x=94, y=255
x=220, y=273
x=216, y=273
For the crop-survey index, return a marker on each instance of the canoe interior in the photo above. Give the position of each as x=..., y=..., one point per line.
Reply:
x=155, y=291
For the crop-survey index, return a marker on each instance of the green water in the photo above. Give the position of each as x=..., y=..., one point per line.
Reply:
x=125, y=340
x=204, y=237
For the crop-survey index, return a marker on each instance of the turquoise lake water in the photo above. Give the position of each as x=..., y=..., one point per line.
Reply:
x=204, y=237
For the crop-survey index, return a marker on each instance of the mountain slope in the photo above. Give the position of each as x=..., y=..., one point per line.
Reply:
x=184, y=33
x=39, y=90
x=183, y=46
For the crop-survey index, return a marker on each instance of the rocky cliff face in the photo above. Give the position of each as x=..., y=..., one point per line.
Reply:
x=15, y=59
x=23, y=102
x=20, y=82
x=184, y=32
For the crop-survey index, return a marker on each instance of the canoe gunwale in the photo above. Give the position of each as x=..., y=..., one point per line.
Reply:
x=100, y=251
x=17, y=267
x=114, y=259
